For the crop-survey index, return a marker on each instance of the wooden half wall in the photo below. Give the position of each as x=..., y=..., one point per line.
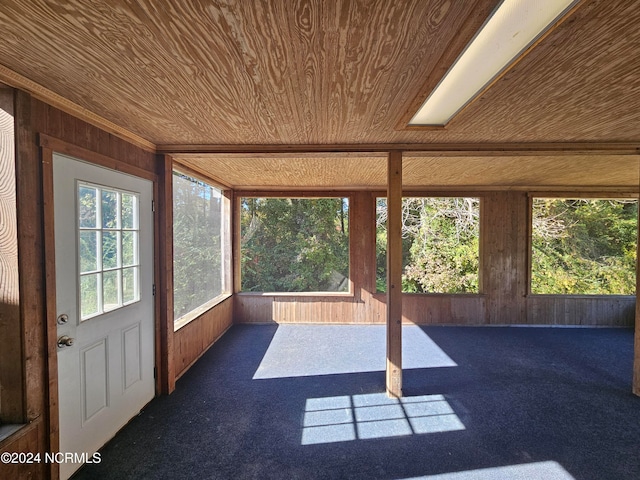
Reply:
x=504, y=278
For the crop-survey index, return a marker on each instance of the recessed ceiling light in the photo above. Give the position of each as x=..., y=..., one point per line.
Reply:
x=510, y=30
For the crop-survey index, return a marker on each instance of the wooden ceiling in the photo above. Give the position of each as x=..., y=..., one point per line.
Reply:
x=192, y=78
x=421, y=171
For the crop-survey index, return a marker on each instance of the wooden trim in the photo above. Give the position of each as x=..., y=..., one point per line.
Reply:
x=431, y=149
x=394, y=275
x=587, y=194
x=298, y=294
x=50, y=289
x=157, y=280
x=83, y=154
x=237, y=241
x=199, y=311
x=165, y=291
x=443, y=190
x=297, y=193
x=36, y=90
x=636, y=350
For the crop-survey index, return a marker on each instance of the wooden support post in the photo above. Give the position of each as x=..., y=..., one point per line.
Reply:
x=394, y=274
x=636, y=356
x=165, y=228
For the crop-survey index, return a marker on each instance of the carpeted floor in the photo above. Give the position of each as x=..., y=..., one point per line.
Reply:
x=305, y=402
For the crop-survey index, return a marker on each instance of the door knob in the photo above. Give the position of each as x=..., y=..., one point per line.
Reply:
x=65, y=341
x=62, y=319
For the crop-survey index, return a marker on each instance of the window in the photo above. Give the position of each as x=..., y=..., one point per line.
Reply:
x=295, y=244
x=584, y=246
x=108, y=249
x=440, y=244
x=198, y=244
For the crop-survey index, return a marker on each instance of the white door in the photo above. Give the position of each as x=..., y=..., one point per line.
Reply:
x=104, y=300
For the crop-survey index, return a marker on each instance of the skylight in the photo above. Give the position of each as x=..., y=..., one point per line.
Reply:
x=513, y=27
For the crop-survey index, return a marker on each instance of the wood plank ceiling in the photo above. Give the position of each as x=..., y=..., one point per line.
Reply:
x=199, y=76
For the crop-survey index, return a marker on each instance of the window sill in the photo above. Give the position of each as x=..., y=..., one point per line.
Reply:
x=201, y=310
x=457, y=295
x=579, y=295
x=296, y=294
x=7, y=430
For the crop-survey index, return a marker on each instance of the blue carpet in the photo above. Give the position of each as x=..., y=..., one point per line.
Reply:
x=306, y=402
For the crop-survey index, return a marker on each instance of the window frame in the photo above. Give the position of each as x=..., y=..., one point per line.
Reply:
x=407, y=193
x=226, y=244
x=588, y=195
x=293, y=194
x=101, y=269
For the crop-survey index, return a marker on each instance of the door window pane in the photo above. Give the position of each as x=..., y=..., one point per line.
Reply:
x=108, y=241
x=87, y=207
x=129, y=211
x=129, y=284
x=109, y=209
x=89, y=295
x=88, y=251
x=129, y=253
x=110, y=247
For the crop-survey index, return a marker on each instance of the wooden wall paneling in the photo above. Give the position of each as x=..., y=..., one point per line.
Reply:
x=613, y=310
x=394, y=274
x=31, y=261
x=11, y=374
x=195, y=338
x=74, y=132
x=504, y=253
x=28, y=439
x=362, y=243
x=30, y=254
x=167, y=371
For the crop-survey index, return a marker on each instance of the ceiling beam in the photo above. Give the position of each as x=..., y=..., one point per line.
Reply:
x=432, y=149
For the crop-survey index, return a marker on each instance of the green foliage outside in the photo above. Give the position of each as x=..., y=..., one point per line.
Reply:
x=197, y=244
x=294, y=244
x=440, y=245
x=584, y=246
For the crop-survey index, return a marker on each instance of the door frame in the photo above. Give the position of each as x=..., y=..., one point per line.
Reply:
x=49, y=145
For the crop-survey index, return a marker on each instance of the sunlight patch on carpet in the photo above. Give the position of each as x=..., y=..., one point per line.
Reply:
x=370, y=416
x=308, y=350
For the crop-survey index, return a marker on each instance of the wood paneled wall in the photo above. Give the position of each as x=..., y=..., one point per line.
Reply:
x=192, y=340
x=503, y=256
x=11, y=379
x=33, y=117
x=504, y=273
